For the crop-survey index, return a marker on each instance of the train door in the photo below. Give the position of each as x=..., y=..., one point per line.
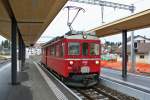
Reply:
x=84, y=49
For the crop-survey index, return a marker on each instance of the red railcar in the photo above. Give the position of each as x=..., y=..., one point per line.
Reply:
x=74, y=57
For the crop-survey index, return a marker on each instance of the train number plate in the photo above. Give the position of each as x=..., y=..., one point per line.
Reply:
x=85, y=69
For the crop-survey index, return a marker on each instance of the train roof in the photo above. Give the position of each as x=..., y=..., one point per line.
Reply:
x=74, y=35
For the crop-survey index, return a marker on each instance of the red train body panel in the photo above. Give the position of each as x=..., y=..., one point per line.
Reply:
x=73, y=56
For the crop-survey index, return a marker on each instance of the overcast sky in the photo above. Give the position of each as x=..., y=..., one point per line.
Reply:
x=92, y=18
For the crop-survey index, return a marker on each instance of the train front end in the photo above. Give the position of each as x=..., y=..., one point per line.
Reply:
x=83, y=60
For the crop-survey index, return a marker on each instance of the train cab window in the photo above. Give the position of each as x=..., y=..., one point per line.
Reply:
x=85, y=49
x=73, y=48
x=94, y=49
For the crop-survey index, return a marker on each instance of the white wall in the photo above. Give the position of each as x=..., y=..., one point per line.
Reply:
x=139, y=38
x=138, y=59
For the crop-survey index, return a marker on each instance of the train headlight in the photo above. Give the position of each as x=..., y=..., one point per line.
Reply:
x=71, y=62
x=84, y=36
x=97, y=62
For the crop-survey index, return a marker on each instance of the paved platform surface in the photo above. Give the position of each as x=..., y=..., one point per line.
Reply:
x=32, y=87
x=3, y=62
x=139, y=80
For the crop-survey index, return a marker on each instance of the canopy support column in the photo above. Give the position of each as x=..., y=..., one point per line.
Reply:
x=20, y=40
x=124, y=53
x=13, y=52
x=23, y=54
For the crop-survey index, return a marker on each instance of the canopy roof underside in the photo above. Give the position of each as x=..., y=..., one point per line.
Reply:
x=133, y=22
x=33, y=17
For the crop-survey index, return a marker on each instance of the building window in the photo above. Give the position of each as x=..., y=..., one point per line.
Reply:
x=141, y=56
x=120, y=56
x=138, y=41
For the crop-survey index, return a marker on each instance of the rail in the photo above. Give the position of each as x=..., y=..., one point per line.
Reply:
x=93, y=94
x=100, y=93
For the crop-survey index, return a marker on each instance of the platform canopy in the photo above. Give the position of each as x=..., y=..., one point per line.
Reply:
x=133, y=22
x=33, y=17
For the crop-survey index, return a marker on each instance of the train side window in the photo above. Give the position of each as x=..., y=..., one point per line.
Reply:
x=52, y=51
x=61, y=50
x=57, y=50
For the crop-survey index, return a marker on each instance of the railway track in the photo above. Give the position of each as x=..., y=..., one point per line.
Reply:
x=88, y=93
x=94, y=93
x=97, y=92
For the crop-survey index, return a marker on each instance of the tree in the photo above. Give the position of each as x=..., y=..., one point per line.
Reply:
x=5, y=44
x=107, y=43
x=2, y=44
x=112, y=43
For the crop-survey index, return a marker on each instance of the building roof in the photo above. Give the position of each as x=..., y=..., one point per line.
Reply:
x=145, y=38
x=32, y=16
x=143, y=48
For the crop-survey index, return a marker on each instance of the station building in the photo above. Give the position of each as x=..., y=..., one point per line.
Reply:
x=143, y=49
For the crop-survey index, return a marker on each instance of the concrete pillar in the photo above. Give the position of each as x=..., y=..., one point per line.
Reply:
x=13, y=52
x=20, y=50
x=23, y=54
x=124, y=54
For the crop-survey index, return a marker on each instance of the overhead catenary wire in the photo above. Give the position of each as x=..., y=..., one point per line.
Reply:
x=106, y=4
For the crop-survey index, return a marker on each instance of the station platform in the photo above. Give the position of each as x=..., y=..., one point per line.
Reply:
x=32, y=85
x=139, y=81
